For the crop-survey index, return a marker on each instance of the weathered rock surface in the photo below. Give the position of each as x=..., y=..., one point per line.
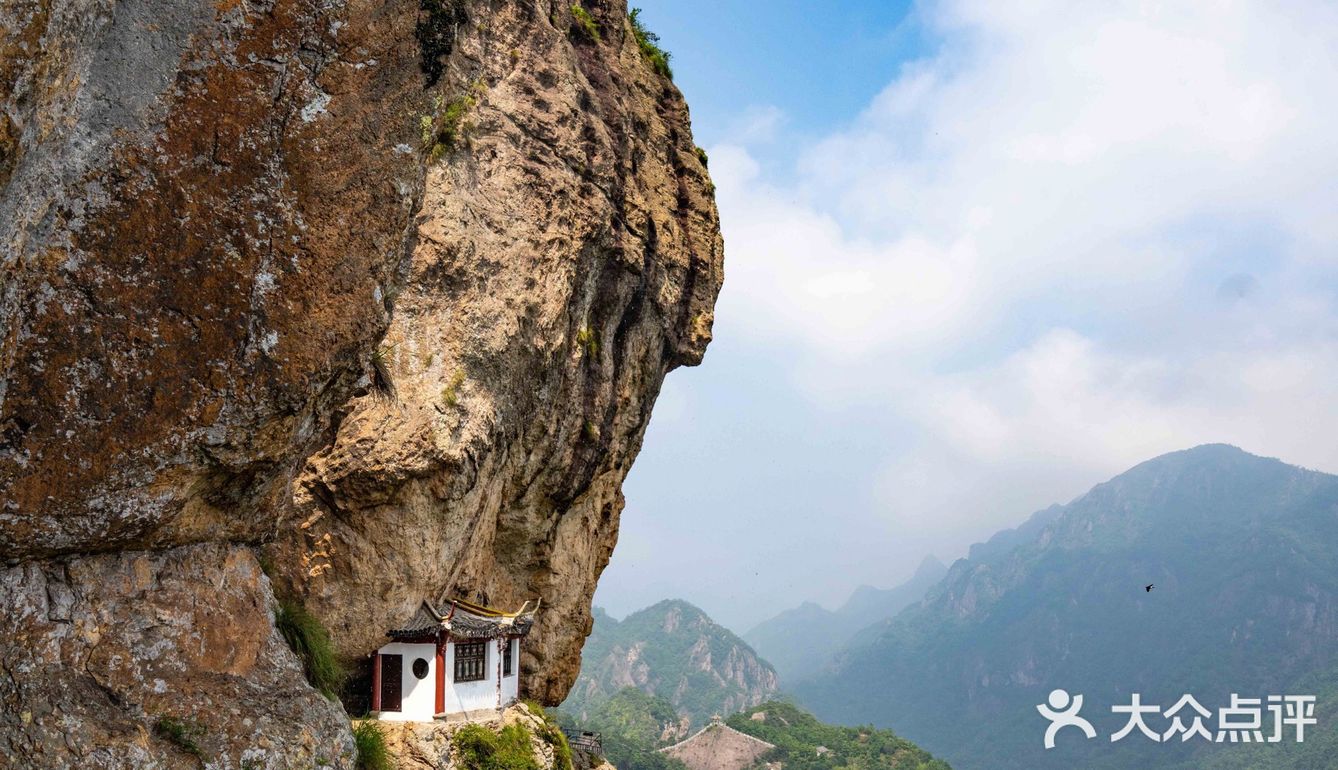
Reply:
x=103, y=655
x=389, y=285
x=203, y=211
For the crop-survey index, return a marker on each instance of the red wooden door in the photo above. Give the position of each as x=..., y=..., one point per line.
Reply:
x=392, y=684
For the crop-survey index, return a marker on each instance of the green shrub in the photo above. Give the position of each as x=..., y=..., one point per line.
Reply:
x=701, y=156
x=371, y=745
x=649, y=43
x=450, y=395
x=588, y=338
x=585, y=22
x=309, y=639
x=453, y=124
x=553, y=736
x=440, y=136
x=182, y=732
x=478, y=748
x=551, y=733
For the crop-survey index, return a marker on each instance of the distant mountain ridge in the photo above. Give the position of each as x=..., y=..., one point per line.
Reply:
x=1244, y=553
x=801, y=641
x=675, y=651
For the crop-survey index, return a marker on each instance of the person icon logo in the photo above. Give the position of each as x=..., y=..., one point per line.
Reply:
x=1063, y=712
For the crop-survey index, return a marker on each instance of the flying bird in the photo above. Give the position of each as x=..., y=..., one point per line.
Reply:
x=1148, y=587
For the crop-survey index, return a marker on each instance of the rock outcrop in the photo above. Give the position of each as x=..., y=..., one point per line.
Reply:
x=152, y=659
x=385, y=289
x=567, y=257
x=433, y=746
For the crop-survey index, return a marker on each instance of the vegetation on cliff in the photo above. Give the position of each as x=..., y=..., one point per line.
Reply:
x=649, y=43
x=370, y=744
x=550, y=732
x=479, y=748
x=183, y=733
x=310, y=640
x=585, y=23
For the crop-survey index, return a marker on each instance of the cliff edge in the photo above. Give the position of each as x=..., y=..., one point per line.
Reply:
x=378, y=294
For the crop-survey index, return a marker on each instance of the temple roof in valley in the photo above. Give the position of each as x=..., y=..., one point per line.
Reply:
x=466, y=620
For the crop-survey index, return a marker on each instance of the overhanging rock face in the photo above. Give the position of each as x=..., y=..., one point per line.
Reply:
x=389, y=287
x=568, y=256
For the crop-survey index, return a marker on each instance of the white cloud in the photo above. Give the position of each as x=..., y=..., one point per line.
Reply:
x=1080, y=235
x=758, y=124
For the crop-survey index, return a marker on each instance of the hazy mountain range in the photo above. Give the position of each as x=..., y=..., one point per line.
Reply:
x=803, y=640
x=1243, y=552
x=662, y=673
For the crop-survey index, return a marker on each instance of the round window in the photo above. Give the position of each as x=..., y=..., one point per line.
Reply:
x=420, y=668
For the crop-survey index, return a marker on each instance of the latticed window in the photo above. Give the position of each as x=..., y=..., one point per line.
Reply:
x=471, y=660
x=508, y=652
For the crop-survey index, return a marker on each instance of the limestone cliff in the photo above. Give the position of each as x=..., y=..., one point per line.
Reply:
x=386, y=289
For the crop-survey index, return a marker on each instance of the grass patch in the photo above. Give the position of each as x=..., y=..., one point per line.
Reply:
x=381, y=379
x=183, y=733
x=649, y=43
x=702, y=156
x=585, y=23
x=442, y=135
x=453, y=126
x=450, y=395
x=478, y=748
x=549, y=732
x=309, y=639
x=371, y=746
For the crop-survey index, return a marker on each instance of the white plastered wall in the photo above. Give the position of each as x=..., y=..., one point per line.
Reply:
x=419, y=695
x=472, y=696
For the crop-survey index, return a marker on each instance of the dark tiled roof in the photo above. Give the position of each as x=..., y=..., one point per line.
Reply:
x=466, y=621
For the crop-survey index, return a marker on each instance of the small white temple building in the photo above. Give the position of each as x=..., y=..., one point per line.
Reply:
x=459, y=661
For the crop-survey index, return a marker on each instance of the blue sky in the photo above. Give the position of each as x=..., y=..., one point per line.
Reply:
x=817, y=65
x=980, y=257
